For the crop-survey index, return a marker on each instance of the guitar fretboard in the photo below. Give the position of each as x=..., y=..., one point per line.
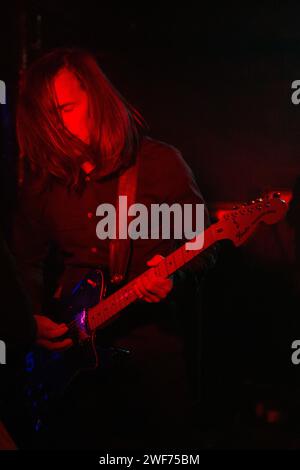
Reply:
x=110, y=307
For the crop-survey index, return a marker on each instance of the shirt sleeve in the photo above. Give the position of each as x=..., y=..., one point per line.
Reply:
x=182, y=188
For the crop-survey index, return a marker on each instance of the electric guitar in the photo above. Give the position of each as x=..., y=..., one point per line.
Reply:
x=46, y=374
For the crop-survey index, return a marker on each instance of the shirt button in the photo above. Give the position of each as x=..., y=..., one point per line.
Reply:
x=87, y=178
x=90, y=215
x=94, y=249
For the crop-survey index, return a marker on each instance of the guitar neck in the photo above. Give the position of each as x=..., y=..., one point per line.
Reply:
x=237, y=225
x=110, y=307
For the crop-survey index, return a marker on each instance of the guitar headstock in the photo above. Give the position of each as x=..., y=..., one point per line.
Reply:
x=241, y=222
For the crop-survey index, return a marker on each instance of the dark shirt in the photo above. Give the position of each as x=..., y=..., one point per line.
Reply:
x=68, y=219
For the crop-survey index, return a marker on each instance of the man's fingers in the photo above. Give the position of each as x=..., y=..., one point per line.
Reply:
x=159, y=286
x=54, y=346
x=155, y=260
x=144, y=293
x=153, y=289
x=151, y=298
x=139, y=292
x=143, y=289
x=55, y=332
x=156, y=290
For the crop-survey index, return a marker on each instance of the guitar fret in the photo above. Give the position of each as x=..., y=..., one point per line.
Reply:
x=183, y=257
x=160, y=270
x=126, y=295
x=178, y=259
x=117, y=302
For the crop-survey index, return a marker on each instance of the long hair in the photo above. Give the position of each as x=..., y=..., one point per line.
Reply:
x=48, y=145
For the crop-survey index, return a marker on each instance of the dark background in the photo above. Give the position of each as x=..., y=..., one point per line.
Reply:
x=216, y=83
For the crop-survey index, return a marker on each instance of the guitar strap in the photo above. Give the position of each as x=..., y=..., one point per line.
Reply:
x=120, y=248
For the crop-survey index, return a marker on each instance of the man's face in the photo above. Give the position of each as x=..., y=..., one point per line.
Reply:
x=72, y=104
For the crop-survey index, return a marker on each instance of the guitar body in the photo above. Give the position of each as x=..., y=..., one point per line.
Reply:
x=42, y=376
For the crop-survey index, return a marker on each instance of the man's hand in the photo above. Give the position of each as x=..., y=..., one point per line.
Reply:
x=153, y=288
x=48, y=331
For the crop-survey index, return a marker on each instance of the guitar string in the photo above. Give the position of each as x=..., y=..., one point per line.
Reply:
x=172, y=260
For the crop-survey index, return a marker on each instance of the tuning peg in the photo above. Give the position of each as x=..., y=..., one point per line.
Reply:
x=259, y=199
x=276, y=195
